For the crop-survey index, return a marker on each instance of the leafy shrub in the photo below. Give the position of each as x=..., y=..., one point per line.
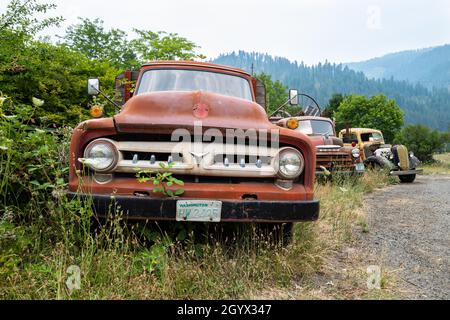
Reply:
x=32, y=160
x=33, y=173
x=54, y=73
x=161, y=180
x=421, y=140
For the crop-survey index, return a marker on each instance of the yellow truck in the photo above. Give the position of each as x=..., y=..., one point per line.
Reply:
x=377, y=154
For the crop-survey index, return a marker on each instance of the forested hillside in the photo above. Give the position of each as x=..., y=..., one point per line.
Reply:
x=421, y=105
x=429, y=67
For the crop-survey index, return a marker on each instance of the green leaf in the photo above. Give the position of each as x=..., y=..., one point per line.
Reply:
x=179, y=192
x=178, y=182
x=37, y=102
x=162, y=165
x=143, y=179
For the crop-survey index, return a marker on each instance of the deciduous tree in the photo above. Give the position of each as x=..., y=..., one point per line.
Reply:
x=276, y=92
x=90, y=38
x=163, y=46
x=377, y=112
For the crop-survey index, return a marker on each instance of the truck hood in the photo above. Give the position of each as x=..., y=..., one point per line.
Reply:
x=180, y=109
x=319, y=140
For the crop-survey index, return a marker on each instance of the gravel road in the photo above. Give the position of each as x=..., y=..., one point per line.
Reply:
x=409, y=233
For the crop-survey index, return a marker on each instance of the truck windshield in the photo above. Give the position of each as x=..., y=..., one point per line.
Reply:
x=372, y=136
x=349, y=138
x=193, y=80
x=315, y=127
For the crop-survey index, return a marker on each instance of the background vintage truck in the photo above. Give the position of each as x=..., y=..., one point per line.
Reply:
x=376, y=154
x=332, y=157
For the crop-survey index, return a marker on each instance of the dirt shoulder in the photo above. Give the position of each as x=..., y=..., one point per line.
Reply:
x=405, y=232
x=408, y=234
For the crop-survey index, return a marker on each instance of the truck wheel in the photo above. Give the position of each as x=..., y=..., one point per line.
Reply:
x=373, y=166
x=407, y=178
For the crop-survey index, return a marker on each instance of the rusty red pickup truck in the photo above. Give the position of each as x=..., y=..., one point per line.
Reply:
x=207, y=125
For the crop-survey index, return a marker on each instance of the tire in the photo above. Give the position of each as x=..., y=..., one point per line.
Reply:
x=407, y=178
x=373, y=166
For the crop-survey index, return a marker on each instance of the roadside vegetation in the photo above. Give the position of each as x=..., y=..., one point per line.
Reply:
x=440, y=165
x=423, y=141
x=42, y=234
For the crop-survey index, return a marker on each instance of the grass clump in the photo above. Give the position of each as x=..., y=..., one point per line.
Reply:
x=440, y=165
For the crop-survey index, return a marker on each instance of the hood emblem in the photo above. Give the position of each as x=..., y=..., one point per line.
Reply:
x=198, y=156
x=200, y=110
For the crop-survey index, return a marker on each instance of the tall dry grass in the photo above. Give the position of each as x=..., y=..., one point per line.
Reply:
x=122, y=261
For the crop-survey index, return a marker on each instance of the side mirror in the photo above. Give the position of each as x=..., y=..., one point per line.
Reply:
x=293, y=97
x=93, y=87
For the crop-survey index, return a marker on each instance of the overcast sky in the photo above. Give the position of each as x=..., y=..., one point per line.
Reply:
x=303, y=30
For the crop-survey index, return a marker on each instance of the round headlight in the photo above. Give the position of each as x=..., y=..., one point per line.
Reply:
x=290, y=163
x=101, y=155
x=355, y=153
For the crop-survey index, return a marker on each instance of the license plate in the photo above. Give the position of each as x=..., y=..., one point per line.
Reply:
x=360, y=167
x=199, y=210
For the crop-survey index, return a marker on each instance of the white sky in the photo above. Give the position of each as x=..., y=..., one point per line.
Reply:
x=303, y=30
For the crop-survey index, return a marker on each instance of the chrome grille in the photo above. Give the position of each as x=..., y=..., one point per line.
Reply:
x=332, y=159
x=197, y=158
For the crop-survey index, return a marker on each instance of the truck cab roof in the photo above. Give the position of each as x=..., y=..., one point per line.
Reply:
x=359, y=130
x=187, y=63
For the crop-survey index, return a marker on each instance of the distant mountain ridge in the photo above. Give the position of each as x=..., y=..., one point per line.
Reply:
x=429, y=67
x=420, y=104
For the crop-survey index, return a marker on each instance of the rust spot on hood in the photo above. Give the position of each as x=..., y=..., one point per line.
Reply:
x=200, y=110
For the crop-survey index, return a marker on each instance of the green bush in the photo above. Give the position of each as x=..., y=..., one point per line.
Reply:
x=421, y=140
x=33, y=178
x=55, y=74
x=32, y=160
